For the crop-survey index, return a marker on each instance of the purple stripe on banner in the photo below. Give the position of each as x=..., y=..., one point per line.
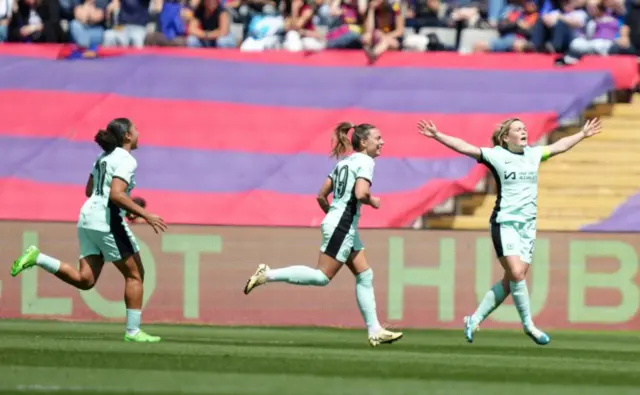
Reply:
x=375, y=88
x=64, y=162
x=625, y=218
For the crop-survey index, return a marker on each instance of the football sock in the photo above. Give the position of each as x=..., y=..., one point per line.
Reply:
x=300, y=275
x=133, y=321
x=492, y=299
x=50, y=264
x=367, y=301
x=520, y=295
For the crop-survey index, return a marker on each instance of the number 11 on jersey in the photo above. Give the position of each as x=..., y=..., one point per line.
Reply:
x=101, y=170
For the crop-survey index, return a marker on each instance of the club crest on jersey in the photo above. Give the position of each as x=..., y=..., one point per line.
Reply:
x=345, y=254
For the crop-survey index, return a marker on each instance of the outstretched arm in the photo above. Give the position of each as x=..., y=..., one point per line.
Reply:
x=454, y=143
x=591, y=128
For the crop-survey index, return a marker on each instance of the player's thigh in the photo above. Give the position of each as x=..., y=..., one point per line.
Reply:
x=131, y=267
x=514, y=268
x=337, y=245
x=506, y=239
x=87, y=244
x=90, y=260
x=357, y=261
x=527, y=233
x=118, y=244
x=507, y=244
x=90, y=269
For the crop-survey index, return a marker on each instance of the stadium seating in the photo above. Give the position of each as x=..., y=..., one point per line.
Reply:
x=581, y=187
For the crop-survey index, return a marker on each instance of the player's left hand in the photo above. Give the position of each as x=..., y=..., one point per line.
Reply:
x=427, y=129
x=592, y=127
x=375, y=202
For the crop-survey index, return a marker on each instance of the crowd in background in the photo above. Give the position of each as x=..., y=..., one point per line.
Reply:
x=572, y=27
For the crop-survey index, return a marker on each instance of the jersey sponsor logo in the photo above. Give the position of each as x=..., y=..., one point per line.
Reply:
x=521, y=176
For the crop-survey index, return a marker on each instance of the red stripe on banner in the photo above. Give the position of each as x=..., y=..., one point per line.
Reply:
x=237, y=127
x=26, y=200
x=624, y=69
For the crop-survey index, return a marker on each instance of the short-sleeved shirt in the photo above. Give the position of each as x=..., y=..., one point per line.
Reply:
x=345, y=208
x=516, y=176
x=134, y=12
x=98, y=212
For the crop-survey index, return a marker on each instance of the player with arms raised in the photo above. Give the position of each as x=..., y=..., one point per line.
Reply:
x=514, y=165
x=103, y=234
x=350, y=183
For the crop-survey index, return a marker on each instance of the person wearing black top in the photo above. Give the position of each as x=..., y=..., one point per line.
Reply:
x=36, y=21
x=210, y=27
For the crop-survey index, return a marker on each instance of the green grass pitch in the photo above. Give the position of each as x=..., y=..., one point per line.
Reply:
x=55, y=357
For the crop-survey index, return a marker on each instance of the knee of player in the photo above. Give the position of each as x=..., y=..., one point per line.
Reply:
x=517, y=274
x=137, y=276
x=365, y=277
x=86, y=283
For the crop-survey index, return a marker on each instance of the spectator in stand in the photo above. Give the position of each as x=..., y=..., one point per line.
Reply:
x=36, y=21
x=6, y=9
x=173, y=20
x=323, y=16
x=264, y=32
x=233, y=8
x=558, y=26
x=466, y=13
x=629, y=40
x=87, y=27
x=348, y=32
x=129, y=20
x=598, y=36
x=426, y=13
x=617, y=8
x=515, y=28
x=210, y=27
x=384, y=28
x=495, y=9
x=256, y=8
x=67, y=8
x=301, y=33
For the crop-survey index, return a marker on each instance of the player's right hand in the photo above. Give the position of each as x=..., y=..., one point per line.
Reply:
x=375, y=202
x=156, y=222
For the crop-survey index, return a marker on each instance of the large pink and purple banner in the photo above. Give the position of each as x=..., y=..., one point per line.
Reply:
x=243, y=139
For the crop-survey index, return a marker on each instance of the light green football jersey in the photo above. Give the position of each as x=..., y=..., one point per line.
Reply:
x=516, y=176
x=98, y=211
x=345, y=208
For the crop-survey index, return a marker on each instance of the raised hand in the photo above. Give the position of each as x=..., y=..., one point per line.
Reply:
x=427, y=129
x=592, y=127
